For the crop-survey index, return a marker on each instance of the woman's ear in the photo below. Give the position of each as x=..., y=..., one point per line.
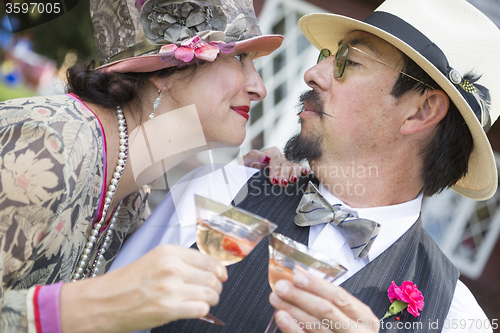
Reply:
x=160, y=83
x=430, y=109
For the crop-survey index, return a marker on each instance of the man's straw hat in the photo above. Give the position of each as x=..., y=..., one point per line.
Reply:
x=448, y=39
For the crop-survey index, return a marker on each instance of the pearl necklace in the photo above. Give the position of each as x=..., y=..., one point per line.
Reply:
x=84, y=268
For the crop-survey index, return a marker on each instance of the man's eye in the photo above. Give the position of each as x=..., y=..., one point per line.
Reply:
x=350, y=63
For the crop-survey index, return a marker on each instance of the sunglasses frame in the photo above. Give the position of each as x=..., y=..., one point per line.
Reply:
x=340, y=62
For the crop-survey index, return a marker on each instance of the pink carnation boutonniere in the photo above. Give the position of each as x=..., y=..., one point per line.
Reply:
x=406, y=296
x=195, y=47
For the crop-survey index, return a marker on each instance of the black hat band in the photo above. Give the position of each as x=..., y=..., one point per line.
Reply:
x=430, y=51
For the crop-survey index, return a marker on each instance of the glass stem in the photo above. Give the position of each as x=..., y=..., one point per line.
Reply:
x=272, y=327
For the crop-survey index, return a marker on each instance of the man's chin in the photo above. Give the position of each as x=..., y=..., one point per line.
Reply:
x=303, y=146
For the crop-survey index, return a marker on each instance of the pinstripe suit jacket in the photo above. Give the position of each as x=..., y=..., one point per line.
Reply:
x=244, y=304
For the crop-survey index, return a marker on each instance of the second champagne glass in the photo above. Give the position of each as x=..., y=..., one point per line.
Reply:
x=285, y=255
x=227, y=233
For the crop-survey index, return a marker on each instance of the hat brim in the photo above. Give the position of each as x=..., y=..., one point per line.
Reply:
x=480, y=183
x=263, y=45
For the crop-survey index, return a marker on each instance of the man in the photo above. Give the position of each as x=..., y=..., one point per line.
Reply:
x=398, y=111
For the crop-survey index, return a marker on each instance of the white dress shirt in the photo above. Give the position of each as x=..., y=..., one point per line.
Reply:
x=174, y=222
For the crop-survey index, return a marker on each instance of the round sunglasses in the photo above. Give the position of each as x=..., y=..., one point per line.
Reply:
x=342, y=55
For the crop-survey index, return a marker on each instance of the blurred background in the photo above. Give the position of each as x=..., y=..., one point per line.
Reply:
x=33, y=62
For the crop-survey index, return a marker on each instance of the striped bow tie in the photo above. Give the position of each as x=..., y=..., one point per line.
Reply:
x=359, y=233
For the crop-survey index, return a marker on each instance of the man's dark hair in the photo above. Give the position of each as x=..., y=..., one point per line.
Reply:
x=446, y=155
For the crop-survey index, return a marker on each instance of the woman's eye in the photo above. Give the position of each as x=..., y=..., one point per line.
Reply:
x=240, y=57
x=350, y=63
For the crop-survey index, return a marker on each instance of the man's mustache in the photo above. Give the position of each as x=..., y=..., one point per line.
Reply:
x=313, y=101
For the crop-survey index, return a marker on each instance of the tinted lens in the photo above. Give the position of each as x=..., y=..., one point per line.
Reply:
x=340, y=60
x=323, y=54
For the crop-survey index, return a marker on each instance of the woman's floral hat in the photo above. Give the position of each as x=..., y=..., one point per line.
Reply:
x=145, y=36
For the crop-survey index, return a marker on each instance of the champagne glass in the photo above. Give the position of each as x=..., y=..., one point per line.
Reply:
x=227, y=233
x=285, y=255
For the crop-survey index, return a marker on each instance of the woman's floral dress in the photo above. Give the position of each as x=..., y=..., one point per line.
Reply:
x=51, y=178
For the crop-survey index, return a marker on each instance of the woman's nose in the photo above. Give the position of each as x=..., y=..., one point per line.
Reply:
x=254, y=85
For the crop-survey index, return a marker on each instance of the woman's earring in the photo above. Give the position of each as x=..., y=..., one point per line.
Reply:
x=156, y=104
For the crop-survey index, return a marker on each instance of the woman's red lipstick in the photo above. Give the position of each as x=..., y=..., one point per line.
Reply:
x=242, y=110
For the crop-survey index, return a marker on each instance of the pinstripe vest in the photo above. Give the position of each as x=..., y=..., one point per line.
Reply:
x=244, y=303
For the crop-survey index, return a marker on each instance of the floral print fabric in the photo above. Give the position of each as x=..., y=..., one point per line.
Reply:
x=51, y=177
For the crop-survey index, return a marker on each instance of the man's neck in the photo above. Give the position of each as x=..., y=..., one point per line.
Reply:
x=361, y=184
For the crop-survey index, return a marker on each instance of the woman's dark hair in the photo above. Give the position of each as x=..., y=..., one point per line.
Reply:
x=446, y=155
x=108, y=89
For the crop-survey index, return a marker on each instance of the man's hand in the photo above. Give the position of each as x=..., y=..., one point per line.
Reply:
x=311, y=304
x=281, y=171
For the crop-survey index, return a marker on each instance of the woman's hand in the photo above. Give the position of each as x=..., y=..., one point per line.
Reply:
x=281, y=171
x=311, y=304
x=166, y=284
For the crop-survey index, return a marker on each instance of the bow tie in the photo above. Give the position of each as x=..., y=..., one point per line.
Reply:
x=359, y=233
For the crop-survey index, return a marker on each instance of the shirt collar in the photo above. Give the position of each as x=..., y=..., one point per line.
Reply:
x=380, y=214
x=395, y=220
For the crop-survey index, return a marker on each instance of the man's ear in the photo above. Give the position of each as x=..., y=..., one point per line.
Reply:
x=430, y=109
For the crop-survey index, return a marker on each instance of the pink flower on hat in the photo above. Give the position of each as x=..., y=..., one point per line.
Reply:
x=406, y=296
x=195, y=47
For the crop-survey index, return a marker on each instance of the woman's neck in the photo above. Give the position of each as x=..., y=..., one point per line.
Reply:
x=109, y=121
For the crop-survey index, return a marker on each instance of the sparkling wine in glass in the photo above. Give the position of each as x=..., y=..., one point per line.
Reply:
x=227, y=233
x=285, y=255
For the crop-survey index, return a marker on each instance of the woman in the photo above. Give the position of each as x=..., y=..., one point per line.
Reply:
x=72, y=168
